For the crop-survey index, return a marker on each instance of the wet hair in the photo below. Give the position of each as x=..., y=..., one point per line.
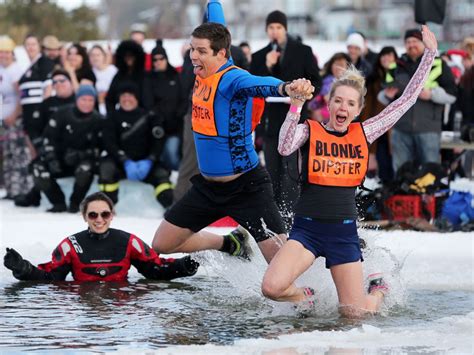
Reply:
x=337, y=56
x=97, y=196
x=217, y=34
x=351, y=78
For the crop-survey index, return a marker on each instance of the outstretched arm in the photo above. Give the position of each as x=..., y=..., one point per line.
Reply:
x=376, y=126
x=150, y=265
x=294, y=135
x=215, y=12
x=22, y=269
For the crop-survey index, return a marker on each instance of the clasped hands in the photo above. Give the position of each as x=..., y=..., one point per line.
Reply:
x=300, y=90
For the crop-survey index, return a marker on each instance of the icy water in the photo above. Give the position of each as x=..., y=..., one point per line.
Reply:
x=430, y=309
x=200, y=310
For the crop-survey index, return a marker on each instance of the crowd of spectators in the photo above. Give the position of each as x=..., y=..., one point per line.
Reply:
x=81, y=112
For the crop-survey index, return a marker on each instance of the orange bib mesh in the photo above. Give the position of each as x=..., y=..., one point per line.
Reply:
x=337, y=161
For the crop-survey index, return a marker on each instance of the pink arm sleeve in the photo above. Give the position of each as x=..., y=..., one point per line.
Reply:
x=375, y=126
x=292, y=135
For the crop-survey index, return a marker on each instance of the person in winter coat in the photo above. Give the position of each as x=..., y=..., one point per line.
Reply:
x=129, y=60
x=162, y=93
x=100, y=253
x=287, y=59
x=70, y=148
x=417, y=135
x=133, y=140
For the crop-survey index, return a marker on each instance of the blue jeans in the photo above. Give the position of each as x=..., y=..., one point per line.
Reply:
x=420, y=147
x=171, y=155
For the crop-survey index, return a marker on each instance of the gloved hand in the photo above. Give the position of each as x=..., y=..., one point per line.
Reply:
x=144, y=167
x=190, y=266
x=131, y=169
x=54, y=167
x=215, y=12
x=14, y=261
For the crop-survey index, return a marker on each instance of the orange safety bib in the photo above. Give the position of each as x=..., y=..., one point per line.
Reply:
x=204, y=93
x=337, y=161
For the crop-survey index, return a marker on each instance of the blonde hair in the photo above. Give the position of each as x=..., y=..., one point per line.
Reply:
x=352, y=78
x=468, y=45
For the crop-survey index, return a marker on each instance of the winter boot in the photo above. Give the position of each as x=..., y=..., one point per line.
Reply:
x=30, y=199
x=60, y=207
x=73, y=207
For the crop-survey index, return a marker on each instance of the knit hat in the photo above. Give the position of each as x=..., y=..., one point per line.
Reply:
x=61, y=72
x=277, y=17
x=6, y=44
x=414, y=32
x=355, y=39
x=138, y=27
x=86, y=90
x=159, y=50
x=128, y=87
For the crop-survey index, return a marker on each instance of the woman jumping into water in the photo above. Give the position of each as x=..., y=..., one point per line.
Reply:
x=335, y=159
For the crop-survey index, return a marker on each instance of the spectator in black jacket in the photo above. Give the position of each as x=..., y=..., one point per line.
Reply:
x=162, y=93
x=70, y=148
x=130, y=62
x=285, y=59
x=64, y=90
x=133, y=140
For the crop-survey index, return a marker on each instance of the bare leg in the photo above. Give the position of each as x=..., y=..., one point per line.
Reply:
x=271, y=246
x=287, y=265
x=353, y=300
x=171, y=239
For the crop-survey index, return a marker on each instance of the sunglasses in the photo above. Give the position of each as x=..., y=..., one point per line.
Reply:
x=103, y=214
x=60, y=81
x=156, y=59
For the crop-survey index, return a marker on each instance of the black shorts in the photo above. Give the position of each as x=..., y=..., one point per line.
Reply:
x=247, y=199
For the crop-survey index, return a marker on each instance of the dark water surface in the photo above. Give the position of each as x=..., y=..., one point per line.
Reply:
x=199, y=310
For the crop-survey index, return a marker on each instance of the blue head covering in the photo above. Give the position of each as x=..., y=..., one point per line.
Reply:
x=86, y=90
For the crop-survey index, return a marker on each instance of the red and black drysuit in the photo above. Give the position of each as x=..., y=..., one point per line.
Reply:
x=105, y=257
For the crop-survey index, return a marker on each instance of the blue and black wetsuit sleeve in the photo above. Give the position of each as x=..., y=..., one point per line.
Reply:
x=249, y=85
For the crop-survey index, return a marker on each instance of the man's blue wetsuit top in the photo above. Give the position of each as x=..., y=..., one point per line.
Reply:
x=231, y=151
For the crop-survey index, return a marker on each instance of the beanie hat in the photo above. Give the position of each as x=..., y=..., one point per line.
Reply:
x=138, y=27
x=414, y=33
x=355, y=39
x=85, y=90
x=128, y=87
x=61, y=72
x=159, y=49
x=277, y=17
x=6, y=44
